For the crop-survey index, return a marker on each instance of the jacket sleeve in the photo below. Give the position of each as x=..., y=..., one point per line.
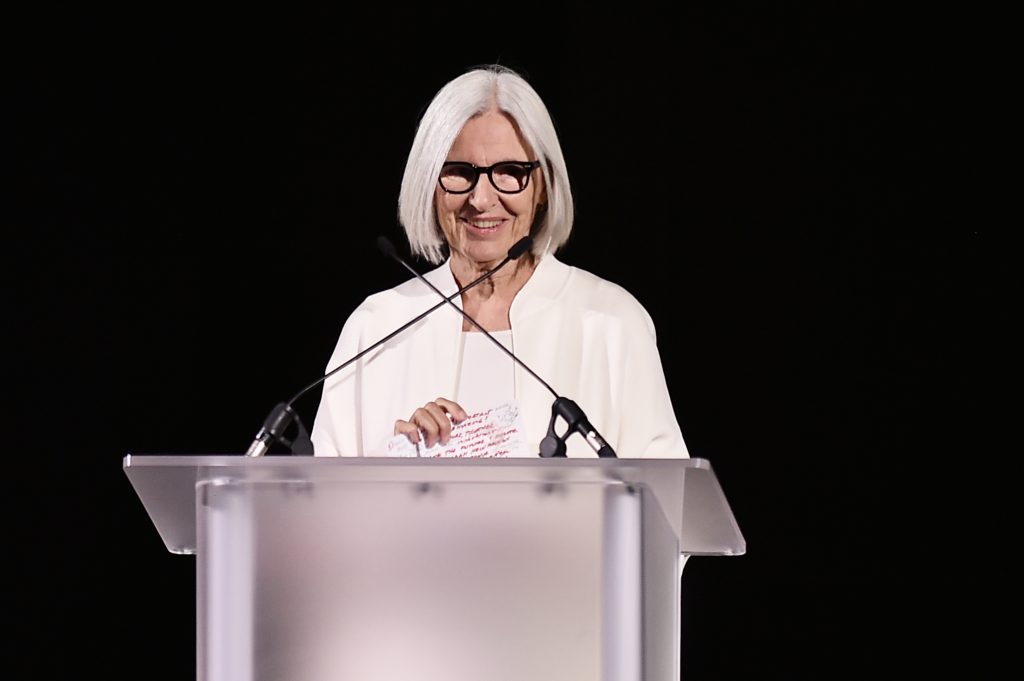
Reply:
x=649, y=427
x=336, y=427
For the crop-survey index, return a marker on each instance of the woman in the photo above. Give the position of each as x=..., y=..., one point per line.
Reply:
x=484, y=171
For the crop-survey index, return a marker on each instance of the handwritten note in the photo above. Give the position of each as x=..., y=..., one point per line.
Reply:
x=489, y=433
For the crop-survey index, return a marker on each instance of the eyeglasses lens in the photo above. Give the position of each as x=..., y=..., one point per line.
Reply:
x=510, y=177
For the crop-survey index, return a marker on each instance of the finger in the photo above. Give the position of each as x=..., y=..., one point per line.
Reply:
x=410, y=430
x=421, y=426
x=454, y=409
x=436, y=423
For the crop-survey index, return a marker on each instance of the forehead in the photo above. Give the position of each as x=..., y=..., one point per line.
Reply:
x=487, y=138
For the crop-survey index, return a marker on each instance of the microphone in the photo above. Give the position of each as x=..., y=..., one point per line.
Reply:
x=553, y=444
x=283, y=415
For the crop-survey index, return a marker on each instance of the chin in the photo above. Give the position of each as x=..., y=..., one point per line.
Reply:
x=486, y=253
x=477, y=241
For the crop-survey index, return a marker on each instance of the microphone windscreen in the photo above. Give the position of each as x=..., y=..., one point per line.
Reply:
x=520, y=247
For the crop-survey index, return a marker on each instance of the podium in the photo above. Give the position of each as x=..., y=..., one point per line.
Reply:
x=386, y=569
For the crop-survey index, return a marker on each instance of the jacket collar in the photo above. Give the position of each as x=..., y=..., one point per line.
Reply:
x=549, y=278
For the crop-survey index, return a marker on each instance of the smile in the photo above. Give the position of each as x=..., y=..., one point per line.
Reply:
x=484, y=224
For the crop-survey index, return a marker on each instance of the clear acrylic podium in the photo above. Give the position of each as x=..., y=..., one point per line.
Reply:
x=376, y=569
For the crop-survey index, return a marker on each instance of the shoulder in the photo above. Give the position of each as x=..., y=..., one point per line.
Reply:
x=410, y=294
x=589, y=292
x=384, y=310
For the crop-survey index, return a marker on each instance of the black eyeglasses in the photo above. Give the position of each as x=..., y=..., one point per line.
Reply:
x=508, y=177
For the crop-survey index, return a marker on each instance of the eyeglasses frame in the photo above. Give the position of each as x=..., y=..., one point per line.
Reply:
x=529, y=165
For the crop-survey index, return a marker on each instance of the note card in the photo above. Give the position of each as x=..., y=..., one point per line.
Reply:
x=490, y=433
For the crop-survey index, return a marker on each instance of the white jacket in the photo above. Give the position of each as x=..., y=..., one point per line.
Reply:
x=588, y=338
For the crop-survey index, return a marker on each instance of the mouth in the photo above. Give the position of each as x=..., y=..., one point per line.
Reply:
x=484, y=226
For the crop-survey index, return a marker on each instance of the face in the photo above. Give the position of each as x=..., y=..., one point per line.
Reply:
x=481, y=225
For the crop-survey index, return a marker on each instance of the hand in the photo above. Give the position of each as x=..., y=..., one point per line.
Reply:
x=432, y=422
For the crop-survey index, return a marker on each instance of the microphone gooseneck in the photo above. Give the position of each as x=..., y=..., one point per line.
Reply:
x=282, y=416
x=274, y=427
x=389, y=250
x=553, y=444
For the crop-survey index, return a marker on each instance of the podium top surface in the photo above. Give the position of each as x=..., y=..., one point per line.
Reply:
x=686, y=489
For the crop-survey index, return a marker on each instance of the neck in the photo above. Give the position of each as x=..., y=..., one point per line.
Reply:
x=490, y=301
x=506, y=282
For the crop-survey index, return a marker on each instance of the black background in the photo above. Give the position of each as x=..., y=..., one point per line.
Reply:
x=790, y=190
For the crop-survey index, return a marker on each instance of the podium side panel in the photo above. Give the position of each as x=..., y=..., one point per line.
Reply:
x=622, y=584
x=224, y=583
x=662, y=591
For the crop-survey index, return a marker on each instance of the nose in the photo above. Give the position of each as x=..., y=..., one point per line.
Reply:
x=483, y=195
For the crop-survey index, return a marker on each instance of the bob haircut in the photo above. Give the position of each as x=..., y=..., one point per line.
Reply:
x=462, y=98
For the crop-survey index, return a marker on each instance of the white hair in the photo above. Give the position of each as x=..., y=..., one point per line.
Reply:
x=461, y=99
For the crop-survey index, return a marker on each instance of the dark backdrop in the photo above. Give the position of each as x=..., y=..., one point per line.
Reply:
x=788, y=189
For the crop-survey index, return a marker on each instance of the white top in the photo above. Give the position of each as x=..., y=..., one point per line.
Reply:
x=486, y=374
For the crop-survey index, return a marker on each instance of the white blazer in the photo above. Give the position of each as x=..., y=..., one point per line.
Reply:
x=588, y=338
